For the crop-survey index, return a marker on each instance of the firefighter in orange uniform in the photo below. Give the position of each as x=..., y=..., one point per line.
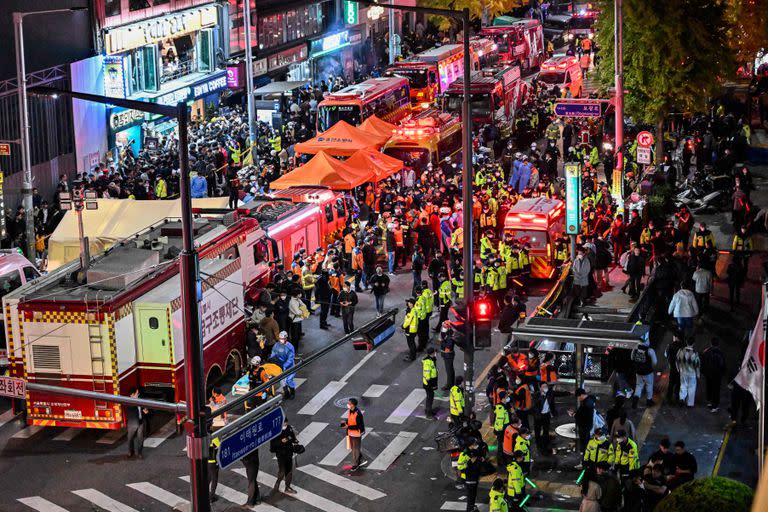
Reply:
x=547, y=371
x=510, y=437
x=523, y=400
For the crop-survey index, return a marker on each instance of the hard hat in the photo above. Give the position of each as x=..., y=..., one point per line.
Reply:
x=255, y=360
x=283, y=334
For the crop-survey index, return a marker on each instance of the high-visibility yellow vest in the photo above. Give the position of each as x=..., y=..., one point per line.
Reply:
x=515, y=479
x=523, y=445
x=445, y=292
x=500, y=418
x=429, y=370
x=461, y=464
x=597, y=451
x=307, y=280
x=741, y=244
x=458, y=288
x=617, y=455
x=502, y=271
x=411, y=322
x=497, y=501
x=457, y=401
x=214, y=447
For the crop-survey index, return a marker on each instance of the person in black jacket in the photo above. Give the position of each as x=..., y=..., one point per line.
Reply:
x=281, y=311
x=510, y=314
x=348, y=301
x=635, y=270
x=369, y=262
x=380, y=284
x=137, y=419
x=282, y=447
x=323, y=297
x=584, y=416
x=543, y=411
x=251, y=463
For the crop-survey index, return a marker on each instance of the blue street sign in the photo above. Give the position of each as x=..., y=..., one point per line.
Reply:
x=250, y=437
x=566, y=109
x=572, y=198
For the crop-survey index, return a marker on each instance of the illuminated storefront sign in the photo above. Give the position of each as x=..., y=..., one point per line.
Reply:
x=192, y=91
x=287, y=57
x=330, y=43
x=122, y=118
x=572, y=198
x=150, y=31
x=114, y=76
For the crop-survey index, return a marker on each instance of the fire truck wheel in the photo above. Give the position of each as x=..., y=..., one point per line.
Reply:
x=214, y=376
x=234, y=366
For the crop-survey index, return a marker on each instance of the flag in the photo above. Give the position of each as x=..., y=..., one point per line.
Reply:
x=750, y=376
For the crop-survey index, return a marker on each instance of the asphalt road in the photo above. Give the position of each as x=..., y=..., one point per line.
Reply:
x=55, y=470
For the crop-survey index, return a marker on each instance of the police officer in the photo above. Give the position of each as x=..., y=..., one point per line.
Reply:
x=497, y=497
x=429, y=380
x=623, y=455
x=597, y=450
x=213, y=467
x=523, y=445
x=515, y=480
x=411, y=327
x=457, y=401
x=448, y=353
x=500, y=422
x=444, y=295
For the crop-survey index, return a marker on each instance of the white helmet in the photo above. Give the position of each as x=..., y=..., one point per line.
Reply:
x=283, y=334
x=255, y=360
x=533, y=146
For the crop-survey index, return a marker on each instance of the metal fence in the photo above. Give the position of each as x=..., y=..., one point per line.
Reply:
x=50, y=120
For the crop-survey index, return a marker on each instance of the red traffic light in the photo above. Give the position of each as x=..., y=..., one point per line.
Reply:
x=483, y=310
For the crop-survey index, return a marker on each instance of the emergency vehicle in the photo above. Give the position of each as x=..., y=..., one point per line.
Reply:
x=484, y=52
x=15, y=271
x=430, y=72
x=521, y=42
x=583, y=22
x=564, y=72
x=327, y=215
x=496, y=95
x=388, y=98
x=429, y=137
x=539, y=222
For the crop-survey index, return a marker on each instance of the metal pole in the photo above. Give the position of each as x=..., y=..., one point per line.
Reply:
x=197, y=430
x=179, y=408
x=392, y=45
x=252, y=131
x=467, y=255
x=761, y=412
x=26, y=158
x=618, y=63
x=84, y=259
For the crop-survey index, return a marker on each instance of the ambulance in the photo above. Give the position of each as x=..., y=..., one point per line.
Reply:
x=429, y=137
x=320, y=222
x=564, y=72
x=539, y=222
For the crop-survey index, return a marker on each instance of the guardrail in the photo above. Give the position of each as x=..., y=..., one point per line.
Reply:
x=552, y=303
x=643, y=308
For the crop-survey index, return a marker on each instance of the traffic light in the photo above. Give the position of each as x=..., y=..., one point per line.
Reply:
x=482, y=320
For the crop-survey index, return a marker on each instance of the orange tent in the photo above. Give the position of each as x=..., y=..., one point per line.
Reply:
x=324, y=170
x=381, y=165
x=341, y=139
x=378, y=127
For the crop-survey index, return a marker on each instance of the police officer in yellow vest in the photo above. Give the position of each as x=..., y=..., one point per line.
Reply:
x=742, y=242
x=444, y=294
x=457, y=401
x=597, y=450
x=307, y=285
x=486, y=245
x=500, y=422
x=411, y=327
x=457, y=238
x=523, y=445
x=497, y=497
x=623, y=455
x=561, y=252
x=213, y=467
x=276, y=142
x=429, y=380
x=516, y=480
x=458, y=285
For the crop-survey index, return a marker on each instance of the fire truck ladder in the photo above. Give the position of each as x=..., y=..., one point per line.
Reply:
x=96, y=346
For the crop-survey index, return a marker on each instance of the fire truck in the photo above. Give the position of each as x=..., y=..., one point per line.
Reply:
x=118, y=325
x=521, y=42
x=496, y=95
x=428, y=137
x=484, y=52
x=539, y=222
x=430, y=72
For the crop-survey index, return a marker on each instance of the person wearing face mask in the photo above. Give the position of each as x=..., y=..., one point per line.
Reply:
x=348, y=302
x=523, y=401
x=597, y=450
x=379, y=282
x=457, y=401
x=581, y=271
x=543, y=410
x=355, y=429
x=429, y=381
x=623, y=456
x=448, y=353
x=282, y=447
x=284, y=355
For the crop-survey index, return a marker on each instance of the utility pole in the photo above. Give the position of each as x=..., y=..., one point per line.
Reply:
x=252, y=132
x=618, y=64
x=393, y=35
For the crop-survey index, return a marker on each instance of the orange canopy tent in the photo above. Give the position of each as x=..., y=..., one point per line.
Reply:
x=341, y=139
x=378, y=127
x=324, y=170
x=381, y=165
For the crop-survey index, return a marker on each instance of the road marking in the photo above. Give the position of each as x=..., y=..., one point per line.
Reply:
x=721, y=451
x=111, y=437
x=40, y=504
x=27, y=432
x=166, y=431
x=6, y=417
x=460, y=505
x=339, y=452
x=310, y=498
x=159, y=494
x=68, y=434
x=321, y=398
x=393, y=450
x=102, y=500
x=310, y=432
x=235, y=496
x=407, y=406
x=375, y=390
x=347, y=484
x=359, y=365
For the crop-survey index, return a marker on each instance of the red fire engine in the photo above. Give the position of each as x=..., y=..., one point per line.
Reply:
x=521, y=43
x=539, y=222
x=118, y=325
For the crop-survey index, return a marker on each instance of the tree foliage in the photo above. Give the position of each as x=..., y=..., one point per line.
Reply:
x=675, y=54
x=748, y=28
x=717, y=494
x=495, y=8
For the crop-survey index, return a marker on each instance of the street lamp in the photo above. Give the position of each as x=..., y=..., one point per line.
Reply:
x=466, y=177
x=26, y=158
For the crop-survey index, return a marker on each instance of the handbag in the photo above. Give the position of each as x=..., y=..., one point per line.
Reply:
x=298, y=449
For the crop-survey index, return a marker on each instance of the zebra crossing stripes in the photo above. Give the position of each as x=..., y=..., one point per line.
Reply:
x=6, y=417
x=407, y=406
x=159, y=494
x=27, y=432
x=310, y=432
x=347, y=484
x=103, y=501
x=320, y=399
x=235, y=496
x=41, y=504
x=375, y=390
x=163, y=433
x=460, y=505
x=111, y=437
x=67, y=434
x=307, y=497
x=339, y=452
x=393, y=450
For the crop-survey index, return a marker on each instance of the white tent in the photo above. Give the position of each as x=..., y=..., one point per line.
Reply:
x=115, y=220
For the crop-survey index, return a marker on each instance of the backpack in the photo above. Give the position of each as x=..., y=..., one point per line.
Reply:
x=642, y=360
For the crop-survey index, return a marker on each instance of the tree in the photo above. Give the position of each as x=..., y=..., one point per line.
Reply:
x=675, y=55
x=748, y=30
x=494, y=8
x=716, y=494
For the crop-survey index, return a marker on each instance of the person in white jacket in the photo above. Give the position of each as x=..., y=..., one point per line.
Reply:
x=688, y=364
x=683, y=308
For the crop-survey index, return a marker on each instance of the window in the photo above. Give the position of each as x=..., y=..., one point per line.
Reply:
x=449, y=145
x=340, y=213
x=290, y=25
x=329, y=213
x=9, y=282
x=230, y=254
x=111, y=8
x=153, y=323
x=137, y=5
x=30, y=273
x=260, y=252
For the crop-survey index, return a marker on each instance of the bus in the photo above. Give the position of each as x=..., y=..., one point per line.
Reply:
x=387, y=98
x=428, y=137
x=430, y=72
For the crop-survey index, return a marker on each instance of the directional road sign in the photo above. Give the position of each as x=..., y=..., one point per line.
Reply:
x=645, y=139
x=248, y=438
x=578, y=109
x=5, y=149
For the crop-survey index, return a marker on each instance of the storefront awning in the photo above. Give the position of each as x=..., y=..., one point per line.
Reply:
x=279, y=87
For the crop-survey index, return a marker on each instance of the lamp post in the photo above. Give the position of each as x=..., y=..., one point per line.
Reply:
x=618, y=64
x=466, y=177
x=26, y=157
x=252, y=132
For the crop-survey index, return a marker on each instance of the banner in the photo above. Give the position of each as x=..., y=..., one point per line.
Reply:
x=750, y=376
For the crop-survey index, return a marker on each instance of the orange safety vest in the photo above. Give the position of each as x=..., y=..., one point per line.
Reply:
x=532, y=369
x=548, y=373
x=398, y=233
x=525, y=402
x=349, y=243
x=335, y=282
x=496, y=392
x=357, y=261
x=352, y=422
x=517, y=363
x=510, y=435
